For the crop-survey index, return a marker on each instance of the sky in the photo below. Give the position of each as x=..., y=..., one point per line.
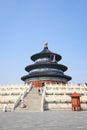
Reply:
x=26, y=24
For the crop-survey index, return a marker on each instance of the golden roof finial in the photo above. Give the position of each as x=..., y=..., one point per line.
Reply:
x=45, y=44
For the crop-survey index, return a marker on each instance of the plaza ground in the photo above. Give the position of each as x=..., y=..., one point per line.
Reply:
x=48, y=120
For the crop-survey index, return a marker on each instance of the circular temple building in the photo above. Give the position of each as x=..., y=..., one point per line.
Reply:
x=45, y=69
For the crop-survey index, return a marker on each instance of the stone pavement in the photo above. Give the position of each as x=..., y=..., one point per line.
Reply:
x=48, y=120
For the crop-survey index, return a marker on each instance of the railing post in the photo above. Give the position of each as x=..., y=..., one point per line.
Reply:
x=43, y=97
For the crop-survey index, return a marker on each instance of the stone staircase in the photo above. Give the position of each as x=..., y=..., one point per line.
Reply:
x=32, y=101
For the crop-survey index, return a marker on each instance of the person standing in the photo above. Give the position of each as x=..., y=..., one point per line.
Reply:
x=5, y=108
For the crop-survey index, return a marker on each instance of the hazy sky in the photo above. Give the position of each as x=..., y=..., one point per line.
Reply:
x=26, y=24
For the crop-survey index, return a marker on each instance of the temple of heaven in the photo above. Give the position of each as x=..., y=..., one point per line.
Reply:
x=45, y=69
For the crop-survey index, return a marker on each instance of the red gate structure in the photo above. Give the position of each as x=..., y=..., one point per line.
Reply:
x=75, y=98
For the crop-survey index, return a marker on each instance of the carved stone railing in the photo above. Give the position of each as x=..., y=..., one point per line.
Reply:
x=43, y=97
x=21, y=97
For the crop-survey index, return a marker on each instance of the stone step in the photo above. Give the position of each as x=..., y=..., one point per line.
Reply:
x=32, y=101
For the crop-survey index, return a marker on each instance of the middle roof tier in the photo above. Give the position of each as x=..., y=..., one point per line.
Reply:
x=46, y=65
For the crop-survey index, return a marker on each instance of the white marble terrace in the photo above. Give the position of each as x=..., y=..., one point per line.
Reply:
x=10, y=94
x=58, y=96
x=54, y=97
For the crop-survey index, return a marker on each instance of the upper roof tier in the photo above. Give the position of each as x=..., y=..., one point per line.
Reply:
x=45, y=53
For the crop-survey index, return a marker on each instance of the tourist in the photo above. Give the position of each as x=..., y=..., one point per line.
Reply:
x=5, y=107
x=39, y=91
x=23, y=105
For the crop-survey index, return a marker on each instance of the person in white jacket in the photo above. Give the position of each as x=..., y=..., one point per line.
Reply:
x=5, y=107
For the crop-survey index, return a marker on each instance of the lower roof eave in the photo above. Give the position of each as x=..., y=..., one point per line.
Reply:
x=59, y=76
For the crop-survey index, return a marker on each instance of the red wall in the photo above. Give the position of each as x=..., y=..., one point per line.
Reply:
x=39, y=83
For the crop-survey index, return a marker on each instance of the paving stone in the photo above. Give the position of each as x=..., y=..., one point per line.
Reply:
x=48, y=120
